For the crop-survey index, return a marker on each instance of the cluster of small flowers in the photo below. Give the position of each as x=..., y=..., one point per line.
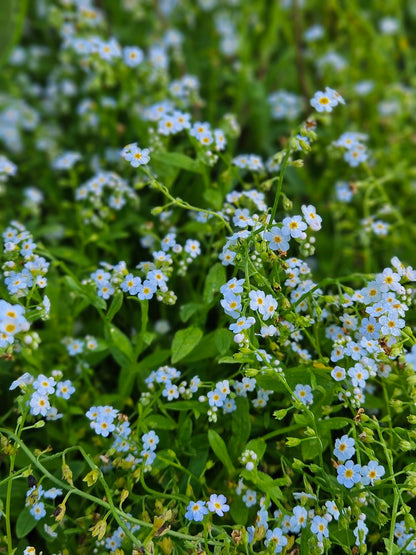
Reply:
x=222, y=396
x=7, y=168
x=171, y=121
x=114, y=542
x=18, y=242
x=326, y=101
x=217, y=504
x=102, y=419
x=378, y=227
x=117, y=277
x=135, y=155
x=331, y=61
x=229, y=37
x=106, y=420
x=66, y=161
x=350, y=473
x=285, y=105
x=251, y=162
x=79, y=346
x=104, y=190
x=278, y=236
x=383, y=301
x=34, y=496
x=292, y=523
x=32, y=199
x=241, y=218
x=343, y=191
x=166, y=375
x=405, y=537
x=314, y=32
x=249, y=459
x=93, y=48
x=355, y=151
x=41, y=388
x=15, y=120
x=185, y=88
x=265, y=305
x=155, y=274
x=12, y=322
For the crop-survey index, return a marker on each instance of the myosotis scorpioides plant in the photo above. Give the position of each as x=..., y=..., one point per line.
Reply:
x=198, y=388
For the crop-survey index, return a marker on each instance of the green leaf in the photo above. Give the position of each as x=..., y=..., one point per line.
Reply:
x=119, y=345
x=240, y=426
x=214, y=198
x=334, y=423
x=223, y=340
x=25, y=523
x=177, y=160
x=239, y=510
x=310, y=449
x=160, y=422
x=187, y=310
x=220, y=449
x=258, y=446
x=12, y=17
x=265, y=483
x=158, y=357
x=73, y=285
x=206, y=349
x=115, y=305
x=228, y=360
x=215, y=279
x=184, y=342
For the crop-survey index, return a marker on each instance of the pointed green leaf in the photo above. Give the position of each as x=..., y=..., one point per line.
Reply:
x=25, y=523
x=215, y=279
x=115, y=305
x=220, y=449
x=177, y=160
x=184, y=342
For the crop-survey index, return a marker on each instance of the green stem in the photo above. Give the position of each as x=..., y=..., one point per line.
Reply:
x=17, y=434
x=183, y=204
x=396, y=491
x=119, y=515
x=280, y=184
x=144, y=308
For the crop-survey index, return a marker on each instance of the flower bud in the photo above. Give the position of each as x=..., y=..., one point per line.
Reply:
x=67, y=474
x=91, y=478
x=99, y=529
x=292, y=441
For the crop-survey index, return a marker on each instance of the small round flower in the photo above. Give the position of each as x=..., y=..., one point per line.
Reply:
x=218, y=504
x=44, y=385
x=311, y=217
x=196, y=511
x=372, y=471
x=349, y=474
x=250, y=498
x=52, y=493
x=332, y=509
x=276, y=538
x=338, y=373
x=299, y=519
x=319, y=527
x=65, y=389
x=278, y=239
x=38, y=510
x=344, y=448
x=150, y=441
x=294, y=226
x=304, y=394
x=39, y=404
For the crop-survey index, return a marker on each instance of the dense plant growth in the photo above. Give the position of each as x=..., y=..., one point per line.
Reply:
x=207, y=301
